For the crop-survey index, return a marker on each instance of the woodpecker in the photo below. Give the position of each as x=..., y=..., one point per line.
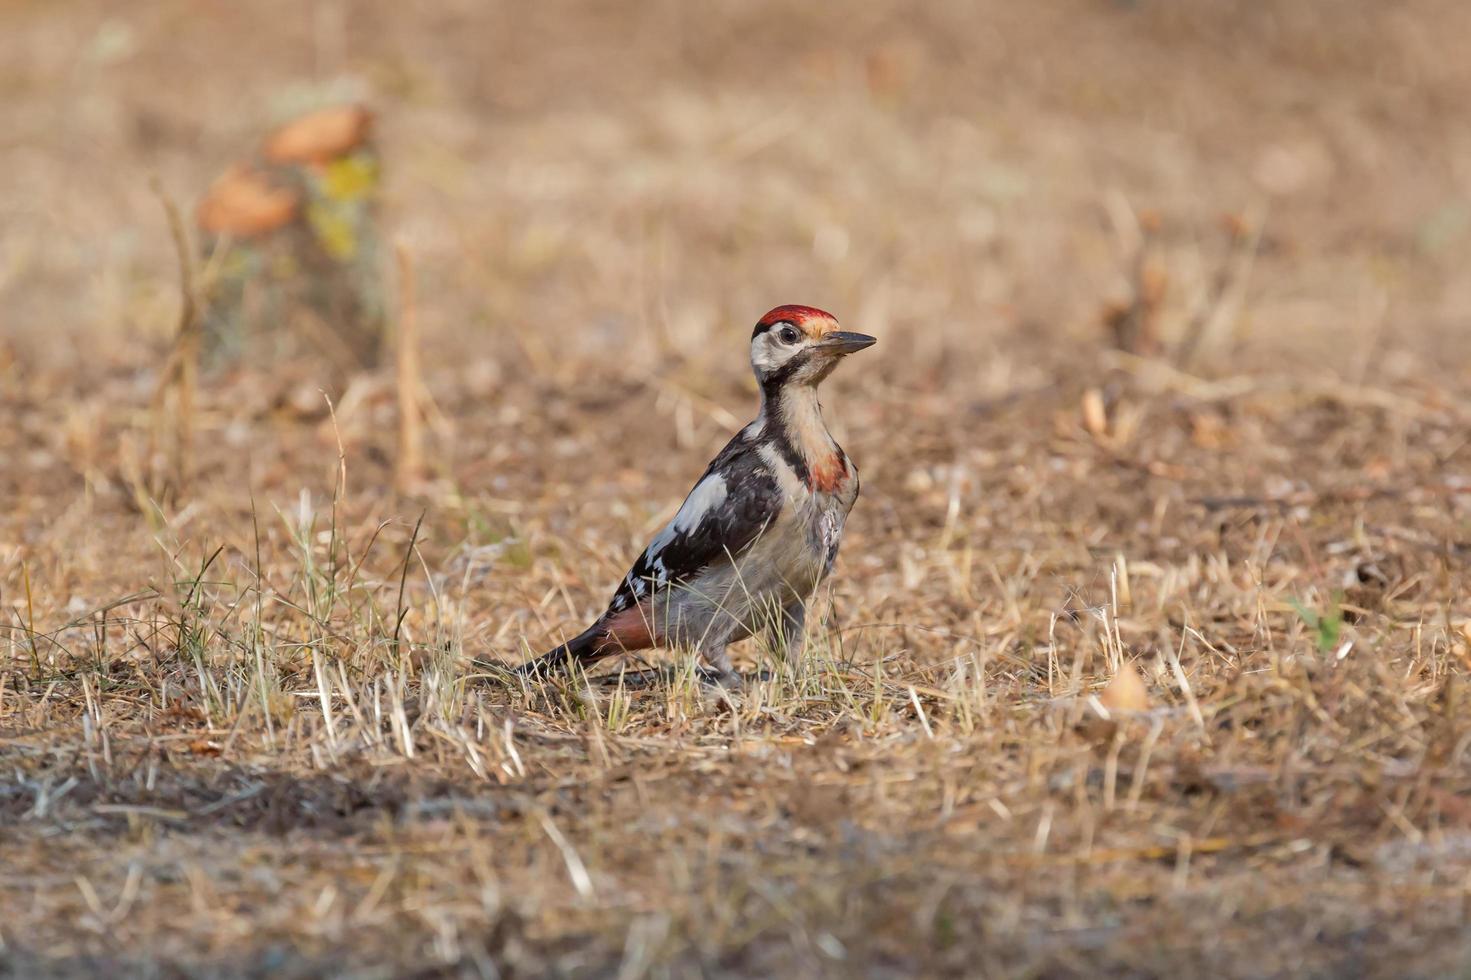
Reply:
x=761, y=527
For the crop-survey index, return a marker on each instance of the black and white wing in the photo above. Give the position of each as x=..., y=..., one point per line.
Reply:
x=733, y=503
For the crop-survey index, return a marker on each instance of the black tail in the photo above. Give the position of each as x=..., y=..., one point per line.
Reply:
x=582, y=649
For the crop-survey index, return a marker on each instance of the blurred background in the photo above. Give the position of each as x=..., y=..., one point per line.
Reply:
x=633, y=186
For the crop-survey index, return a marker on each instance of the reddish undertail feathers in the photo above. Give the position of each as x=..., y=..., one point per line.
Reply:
x=761, y=528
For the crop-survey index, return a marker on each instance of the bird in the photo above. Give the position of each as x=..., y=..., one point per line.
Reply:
x=757, y=533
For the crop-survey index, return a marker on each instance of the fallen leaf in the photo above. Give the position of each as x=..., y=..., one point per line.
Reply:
x=1126, y=692
x=1095, y=416
x=319, y=136
x=244, y=203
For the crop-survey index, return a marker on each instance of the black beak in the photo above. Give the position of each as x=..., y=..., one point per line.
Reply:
x=845, y=342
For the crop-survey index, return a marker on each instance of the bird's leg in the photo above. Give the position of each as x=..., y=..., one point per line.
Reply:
x=721, y=670
x=786, y=629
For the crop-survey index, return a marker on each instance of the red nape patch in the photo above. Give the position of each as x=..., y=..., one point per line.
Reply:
x=828, y=475
x=802, y=316
x=628, y=630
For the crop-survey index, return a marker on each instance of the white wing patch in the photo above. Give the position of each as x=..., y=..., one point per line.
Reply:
x=707, y=495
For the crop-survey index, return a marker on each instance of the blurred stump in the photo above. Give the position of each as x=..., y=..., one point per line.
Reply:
x=294, y=258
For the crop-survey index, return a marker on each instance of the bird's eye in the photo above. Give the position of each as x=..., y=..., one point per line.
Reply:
x=789, y=335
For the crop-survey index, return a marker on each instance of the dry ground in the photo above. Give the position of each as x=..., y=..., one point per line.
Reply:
x=240, y=730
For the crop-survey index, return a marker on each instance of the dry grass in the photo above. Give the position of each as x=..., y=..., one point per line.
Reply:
x=240, y=728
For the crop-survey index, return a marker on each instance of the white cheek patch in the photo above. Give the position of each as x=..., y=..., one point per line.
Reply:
x=767, y=354
x=761, y=354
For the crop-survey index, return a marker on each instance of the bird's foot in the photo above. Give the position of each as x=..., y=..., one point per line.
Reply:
x=729, y=679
